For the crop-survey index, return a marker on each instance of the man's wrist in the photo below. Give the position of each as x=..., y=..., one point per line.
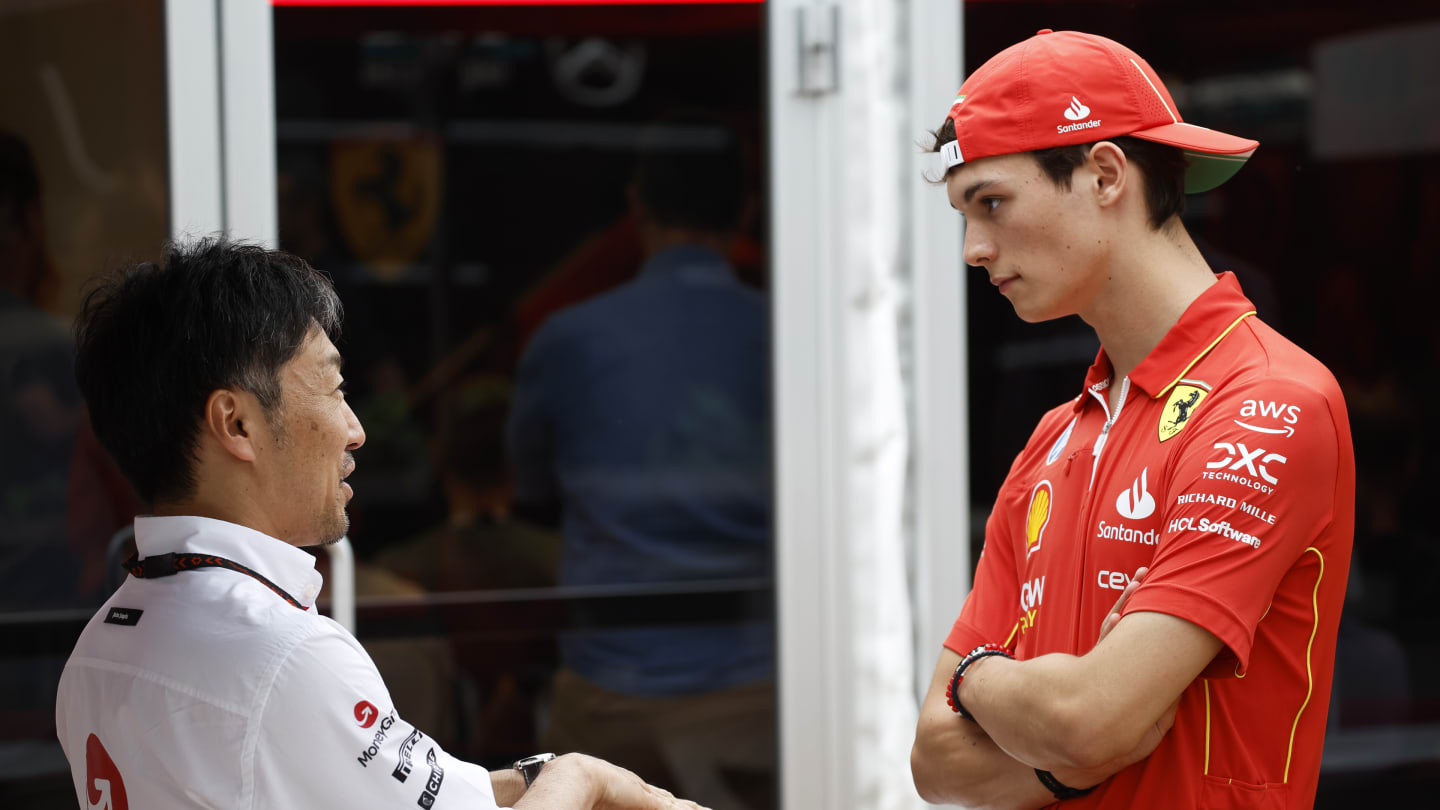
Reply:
x=966, y=673
x=508, y=786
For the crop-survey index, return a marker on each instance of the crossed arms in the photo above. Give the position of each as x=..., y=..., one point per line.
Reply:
x=1083, y=718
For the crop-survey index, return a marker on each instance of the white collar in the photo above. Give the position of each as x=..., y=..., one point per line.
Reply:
x=285, y=565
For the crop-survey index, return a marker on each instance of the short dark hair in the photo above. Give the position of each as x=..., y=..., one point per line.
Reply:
x=1163, y=167
x=690, y=172
x=154, y=340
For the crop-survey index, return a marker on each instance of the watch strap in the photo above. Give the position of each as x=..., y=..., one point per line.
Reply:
x=1059, y=789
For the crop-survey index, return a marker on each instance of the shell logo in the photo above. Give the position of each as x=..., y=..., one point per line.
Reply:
x=1037, y=517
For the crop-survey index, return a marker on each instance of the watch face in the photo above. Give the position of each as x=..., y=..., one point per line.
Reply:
x=529, y=767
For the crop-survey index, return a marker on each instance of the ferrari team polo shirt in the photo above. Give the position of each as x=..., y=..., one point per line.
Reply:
x=208, y=689
x=1226, y=467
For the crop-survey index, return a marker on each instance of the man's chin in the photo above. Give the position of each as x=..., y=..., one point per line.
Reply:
x=333, y=534
x=1037, y=314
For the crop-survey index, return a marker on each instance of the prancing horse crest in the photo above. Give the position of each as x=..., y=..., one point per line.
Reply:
x=1185, y=397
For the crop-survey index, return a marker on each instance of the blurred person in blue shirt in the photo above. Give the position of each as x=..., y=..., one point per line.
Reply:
x=644, y=415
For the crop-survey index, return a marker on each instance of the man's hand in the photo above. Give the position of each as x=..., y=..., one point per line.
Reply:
x=1113, y=617
x=1085, y=713
x=1077, y=778
x=580, y=782
x=624, y=790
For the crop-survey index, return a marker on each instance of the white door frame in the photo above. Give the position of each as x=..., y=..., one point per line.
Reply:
x=220, y=102
x=807, y=144
x=941, y=442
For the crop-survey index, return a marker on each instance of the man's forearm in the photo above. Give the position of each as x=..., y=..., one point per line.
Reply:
x=1061, y=711
x=1032, y=710
x=955, y=762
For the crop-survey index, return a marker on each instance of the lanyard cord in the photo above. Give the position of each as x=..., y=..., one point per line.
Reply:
x=167, y=565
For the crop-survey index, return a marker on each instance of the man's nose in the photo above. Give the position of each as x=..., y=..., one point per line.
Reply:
x=979, y=249
x=356, y=431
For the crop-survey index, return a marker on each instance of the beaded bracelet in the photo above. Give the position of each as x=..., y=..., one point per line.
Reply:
x=952, y=694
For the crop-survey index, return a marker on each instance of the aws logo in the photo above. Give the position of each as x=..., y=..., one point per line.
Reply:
x=1037, y=517
x=1288, y=413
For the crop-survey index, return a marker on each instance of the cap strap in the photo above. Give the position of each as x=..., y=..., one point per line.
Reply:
x=950, y=155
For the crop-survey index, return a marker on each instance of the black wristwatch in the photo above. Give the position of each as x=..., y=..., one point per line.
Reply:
x=1061, y=790
x=529, y=767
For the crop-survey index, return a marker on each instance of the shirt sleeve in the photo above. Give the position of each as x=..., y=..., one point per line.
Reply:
x=989, y=613
x=1252, y=488
x=329, y=736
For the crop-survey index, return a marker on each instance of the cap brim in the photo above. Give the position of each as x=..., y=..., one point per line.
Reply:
x=1214, y=156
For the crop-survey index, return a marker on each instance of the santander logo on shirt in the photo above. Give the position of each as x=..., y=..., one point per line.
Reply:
x=1136, y=503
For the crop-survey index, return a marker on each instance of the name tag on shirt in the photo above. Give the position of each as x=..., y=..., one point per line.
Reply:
x=128, y=617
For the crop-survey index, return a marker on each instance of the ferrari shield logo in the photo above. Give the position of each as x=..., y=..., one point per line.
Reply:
x=387, y=196
x=1184, y=399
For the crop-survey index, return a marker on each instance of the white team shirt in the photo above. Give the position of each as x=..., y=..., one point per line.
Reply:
x=207, y=689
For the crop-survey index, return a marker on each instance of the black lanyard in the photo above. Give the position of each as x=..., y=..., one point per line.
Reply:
x=168, y=565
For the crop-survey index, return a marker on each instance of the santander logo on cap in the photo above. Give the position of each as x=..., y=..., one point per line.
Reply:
x=1077, y=111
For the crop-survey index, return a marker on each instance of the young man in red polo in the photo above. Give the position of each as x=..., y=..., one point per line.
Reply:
x=1153, y=618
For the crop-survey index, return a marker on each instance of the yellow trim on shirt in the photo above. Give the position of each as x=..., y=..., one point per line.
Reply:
x=1206, y=682
x=1309, y=676
x=1198, y=357
x=1013, y=631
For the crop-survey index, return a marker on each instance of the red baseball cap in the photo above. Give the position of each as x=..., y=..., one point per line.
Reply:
x=1060, y=88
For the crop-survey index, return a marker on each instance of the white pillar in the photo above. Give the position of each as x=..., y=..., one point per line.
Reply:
x=193, y=110
x=847, y=240
x=247, y=73
x=220, y=75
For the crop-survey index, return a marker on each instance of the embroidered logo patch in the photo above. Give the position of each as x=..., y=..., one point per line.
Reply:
x=1184, y=399
x=1037, y=517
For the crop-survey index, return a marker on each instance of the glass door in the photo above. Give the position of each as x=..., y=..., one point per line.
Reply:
x=83, y=186
x=545, y=222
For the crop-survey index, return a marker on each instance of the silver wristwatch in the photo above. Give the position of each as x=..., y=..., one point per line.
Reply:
x=529, y=767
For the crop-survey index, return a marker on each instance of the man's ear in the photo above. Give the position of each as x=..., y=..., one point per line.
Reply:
x=234, y=421
x=1112, y=173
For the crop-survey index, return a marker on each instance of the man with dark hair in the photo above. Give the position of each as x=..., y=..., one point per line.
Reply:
x=1154, y=615
x=643, y=414
x=208, y=679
